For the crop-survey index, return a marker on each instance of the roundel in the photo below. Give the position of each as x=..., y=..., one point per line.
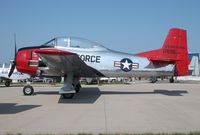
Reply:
x=126, y=65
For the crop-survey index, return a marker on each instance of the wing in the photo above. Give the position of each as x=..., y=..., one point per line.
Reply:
x=63, y=62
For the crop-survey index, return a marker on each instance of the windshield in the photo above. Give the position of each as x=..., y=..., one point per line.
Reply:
x=74, y=42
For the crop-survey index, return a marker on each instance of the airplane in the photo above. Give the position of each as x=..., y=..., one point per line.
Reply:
x=4, y=71
x=72, y=58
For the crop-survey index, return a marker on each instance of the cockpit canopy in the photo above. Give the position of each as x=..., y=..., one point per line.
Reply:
x=73, y=42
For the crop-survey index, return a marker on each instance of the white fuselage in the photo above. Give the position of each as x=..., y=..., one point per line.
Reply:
x=117, y=64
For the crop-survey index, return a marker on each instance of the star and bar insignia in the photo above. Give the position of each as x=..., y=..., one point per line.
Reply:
x=126, y=65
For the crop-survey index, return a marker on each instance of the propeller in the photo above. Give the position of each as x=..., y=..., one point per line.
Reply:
x=14, y=62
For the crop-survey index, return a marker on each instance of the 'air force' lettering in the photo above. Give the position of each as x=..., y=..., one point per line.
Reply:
x=90, y=58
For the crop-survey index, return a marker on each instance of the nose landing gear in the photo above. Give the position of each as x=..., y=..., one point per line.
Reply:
x=28, y=90
x=71, y=86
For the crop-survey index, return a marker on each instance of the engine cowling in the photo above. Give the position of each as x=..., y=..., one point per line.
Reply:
x=27, y=61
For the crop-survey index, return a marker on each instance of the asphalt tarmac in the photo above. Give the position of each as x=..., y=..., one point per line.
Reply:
x=133, y=108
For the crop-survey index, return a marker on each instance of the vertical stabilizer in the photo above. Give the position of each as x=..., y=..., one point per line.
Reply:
x=174, y=50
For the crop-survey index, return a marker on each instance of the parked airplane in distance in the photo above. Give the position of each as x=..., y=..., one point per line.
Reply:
x=17, y=76
x=71, y=58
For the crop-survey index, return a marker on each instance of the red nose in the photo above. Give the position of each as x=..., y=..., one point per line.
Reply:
x=27, y=61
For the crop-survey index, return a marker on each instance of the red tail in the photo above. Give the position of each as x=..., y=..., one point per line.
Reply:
x=173, y=51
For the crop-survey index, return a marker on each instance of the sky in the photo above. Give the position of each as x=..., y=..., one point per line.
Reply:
x=124, y=25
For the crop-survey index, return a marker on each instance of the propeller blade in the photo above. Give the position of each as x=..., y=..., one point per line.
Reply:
x=14, y=62
x=15, y=47
x=12, y=69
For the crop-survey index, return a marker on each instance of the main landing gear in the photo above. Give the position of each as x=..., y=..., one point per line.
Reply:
x=76, y=87
x=71, y=86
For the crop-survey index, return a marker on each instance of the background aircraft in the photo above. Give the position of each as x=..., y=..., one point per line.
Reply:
x=73, y=58
x=17, y=76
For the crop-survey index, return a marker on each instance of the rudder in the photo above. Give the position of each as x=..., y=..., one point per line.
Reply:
x=175, y=48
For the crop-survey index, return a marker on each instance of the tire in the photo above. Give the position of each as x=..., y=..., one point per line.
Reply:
x=28, y=90
x=68, y=96
x=77, y=88
x=7, y=83
x=153, y=80
x=171, y=80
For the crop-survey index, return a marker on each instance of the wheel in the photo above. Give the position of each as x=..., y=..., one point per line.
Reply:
x=7, y=83
x=153, y=80
x=28, y=90
x=68, y=96
x=77, y=88
x=171, y=80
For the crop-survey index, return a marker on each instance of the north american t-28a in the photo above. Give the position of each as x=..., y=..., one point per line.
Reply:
x=72, y=58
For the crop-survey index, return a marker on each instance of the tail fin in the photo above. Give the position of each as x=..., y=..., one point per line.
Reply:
x=174, y=50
